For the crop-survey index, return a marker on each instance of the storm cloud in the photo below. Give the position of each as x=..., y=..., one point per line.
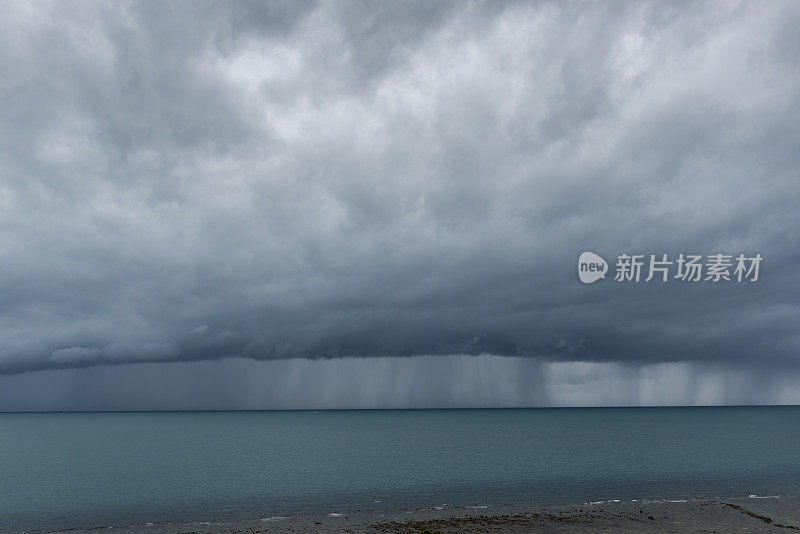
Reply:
x=193, y=181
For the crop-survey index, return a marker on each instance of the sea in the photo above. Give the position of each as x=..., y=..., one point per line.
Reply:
x=89, y=470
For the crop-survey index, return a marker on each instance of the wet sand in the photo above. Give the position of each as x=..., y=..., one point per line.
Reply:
x=732, y=515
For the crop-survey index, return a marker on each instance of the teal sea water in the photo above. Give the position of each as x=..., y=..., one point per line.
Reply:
x=93, y=469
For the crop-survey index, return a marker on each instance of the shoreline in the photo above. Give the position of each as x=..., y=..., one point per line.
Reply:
x=737, y=514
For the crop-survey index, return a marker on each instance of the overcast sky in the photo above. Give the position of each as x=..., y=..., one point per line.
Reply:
x=381, y=204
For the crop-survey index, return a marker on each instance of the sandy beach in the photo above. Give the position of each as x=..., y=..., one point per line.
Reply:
x=750, y=514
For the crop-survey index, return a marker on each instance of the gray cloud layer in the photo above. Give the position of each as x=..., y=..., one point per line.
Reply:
x=192, y=181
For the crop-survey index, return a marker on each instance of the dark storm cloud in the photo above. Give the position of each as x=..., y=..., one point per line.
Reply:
x=193, y=181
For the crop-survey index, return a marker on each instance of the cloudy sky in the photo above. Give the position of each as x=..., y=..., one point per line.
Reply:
x=381, y=204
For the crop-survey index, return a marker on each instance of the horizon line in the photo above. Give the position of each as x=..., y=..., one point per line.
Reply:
x=318, y=410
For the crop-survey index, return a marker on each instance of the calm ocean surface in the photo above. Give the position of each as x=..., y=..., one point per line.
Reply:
x=83, y=470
